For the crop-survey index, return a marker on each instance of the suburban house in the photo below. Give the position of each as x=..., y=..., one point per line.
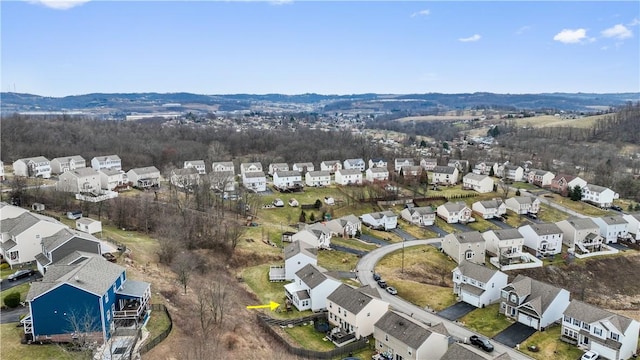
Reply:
x=506, y=244
x=461, y=165
x=223, y=181
x=562, y=183
x=581, y=234
x=354, y=311
x=146, y=177
x=61, y=244
x=348, y=177
x=85, y=289
x=185, y=178
x=399, y=336
x=479, y=183
x=287, y=180
x=477, y=284
x=523, y=205
x=446, y=175
x=612, y=228
x=314, y=237
x=303, y=167
x=251, y=167
x=455, y=212
x=197, y=164
x=62, y=164
x=376, y=174
x=310, y=289
x=273, y=168
x=2, y=176
x=634, y=225
x=489, y=209
x=541, y=178
x=469, y=246
x=384, y=220
x=38, y=166
x=347, y=226
x=106, y=162
x=421, y=216
x=10, y=211
x=513, y=172
x=358, y=164
x=484, y=168
x=599, y=195
x=22, y=235
x=428, y=164
x=223, y=166
x=88, y=225
x=82, y=180
x=542, y=239
x=331, y=166
x=400, y=162
x=460, y=351
x=317, y=178
x=296, y=256
x=255, y=181
x=411, y=172
x=377, y=163
x=533, y=303
x=611, y=335
x=112, y=178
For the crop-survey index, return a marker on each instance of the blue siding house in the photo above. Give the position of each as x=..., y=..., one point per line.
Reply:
x=84, y=295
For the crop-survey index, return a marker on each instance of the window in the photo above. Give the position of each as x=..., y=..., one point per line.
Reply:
x=570, y=333
x=576, y=322
x=468, y=255
x=615, y=336
x=386, y=338
x=586, y=326
x=106, y=298
x=108, y=315
x=398, y=357
x=597, y=331
x=368, y=314
x=567, y=319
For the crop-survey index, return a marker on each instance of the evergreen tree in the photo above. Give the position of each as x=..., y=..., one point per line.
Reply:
x=491, y=172
x=303, y=217
x=518, y=192
x=576, y=193
x=312, y=217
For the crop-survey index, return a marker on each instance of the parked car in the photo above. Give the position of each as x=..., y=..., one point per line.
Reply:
x=20, y=274
x=382, y=283
x=616, y=208
x=376, y=277
x=110, y=257
x=391, y=290
x=482, y=343
x=590, y=355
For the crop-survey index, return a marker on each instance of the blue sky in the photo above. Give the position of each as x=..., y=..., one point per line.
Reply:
x=58, y=48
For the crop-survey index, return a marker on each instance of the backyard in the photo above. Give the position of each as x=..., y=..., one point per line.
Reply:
x=550, y=346
x=486, y=321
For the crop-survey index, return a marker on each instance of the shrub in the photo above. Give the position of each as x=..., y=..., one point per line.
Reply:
x=4, y=266
x=12, y=300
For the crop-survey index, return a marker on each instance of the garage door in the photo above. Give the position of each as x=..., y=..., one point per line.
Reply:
x=528, y=320
x=470, y=299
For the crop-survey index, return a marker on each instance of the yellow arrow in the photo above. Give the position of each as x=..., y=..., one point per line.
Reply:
x=272, y=305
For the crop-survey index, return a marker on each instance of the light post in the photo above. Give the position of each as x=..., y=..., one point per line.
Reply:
x=402, y=268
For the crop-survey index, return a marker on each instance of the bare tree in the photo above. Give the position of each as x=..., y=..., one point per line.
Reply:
x=85, y=332
x=183, y=265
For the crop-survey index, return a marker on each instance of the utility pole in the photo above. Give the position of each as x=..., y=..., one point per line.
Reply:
x=402, y=268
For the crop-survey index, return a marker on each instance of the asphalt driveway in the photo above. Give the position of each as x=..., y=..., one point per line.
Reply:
x=439, y=231
x=514, y=334
x=403, y=234
x=456, y=311
x=6, y=284
x=500, y=224
x=12, y=315
x=348, y=250
x=373, y=240
x=461, y=227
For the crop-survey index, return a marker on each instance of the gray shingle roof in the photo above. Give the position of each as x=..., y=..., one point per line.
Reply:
x=318, y=173
x=42, y=259
x=440, y=329
x=596, y=188
x=352, y=300
x=66, y=159
x=591, y=314
x=538, y=294
x=545, y=229
x=423, y=210
x=110, y=171
x=195, y=162
x=404, y=329
x=507, y=234
x=330, y=162
x=303, y=164
x=83, y=172
x=614, y=220
x=350, y=172
x=491, y=204
x=311, y=276
x=108, y=157
x=378, y=170
x=469, y=237
x=458, y=351
x=523, y=199
x=475, y=177
x=17, y=225
x=285, y=173
x=355, y=161
x=475, y=271
x=254, y=174
x=36, y=159
x=133, y=288
x=7, y=245
x=145, y=170
x=296, y=248
x=582, y=223
x=51, y=242
x=444, y=170
x=454, y=206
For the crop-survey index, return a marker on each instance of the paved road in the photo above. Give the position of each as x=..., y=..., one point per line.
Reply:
x=5, y=284
x=12, y=315
x=553, y=204
x=365, y=270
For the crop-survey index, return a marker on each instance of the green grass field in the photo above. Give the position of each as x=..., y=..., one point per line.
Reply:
x=486, y=321
x=308, y=338
x=12, y=349
x=550, y=346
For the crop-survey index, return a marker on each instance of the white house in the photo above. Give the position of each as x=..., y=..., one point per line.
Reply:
x=634, y=225
x=310, y=289
x=2, y=175
x=358, y=164
x=611, y=335
x=461, y=165
x=512, y=172
x=303, y=167
x=106, y=162
x=384, y=220
x=145, y=177
x=185, y=178
x=477, y=284
x=274, y=167
x=489, y=209
x=506, y=244
x=541, y=178
x=612, y=228
x=479, y=183
x=199, y=165
x=38, y=166
x=523, y=205
x=485, y=167
x=346, y=226
x=400, y=337
x=469, y=246
x=82, y=180
x=224, y=181
x=355, y=311
x=348, y=177
x=317, y=178
x=88, y=225
x=331, y=166
x=455, y=212
x=287, y=179
x=112, y=178
x=255, y=181
x=533, y=303
x=296, y=256
x=315, y=238
x=409, y=172
x=377, y=163
x=599, y=195
x=563, y=183
x=253, y=167
x=421, y=216
x=223, y=166
x=66, y=163
x=543, y=239
x=400, y=162
x=581, y=234
x=446, y=175
x=375, y=174
x=428, y=164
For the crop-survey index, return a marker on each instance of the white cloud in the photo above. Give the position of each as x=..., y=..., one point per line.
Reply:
x=59, y=4
x=634, y=22
x=472, y=38
x=523, y=29
x=421, y=13
x=568, y=36
x=618, y=31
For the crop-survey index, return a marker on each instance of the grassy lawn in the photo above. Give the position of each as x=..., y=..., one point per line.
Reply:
x=482, y=225
x=578, y=206
x=418, y=232
x=158, y=322
x=550, y=346
x=486, y=321
x=143, y=247
x=12, y=349
x=23, y=289
x=514, y=220
x=353, y=243
x=337, y=260
x=524, y=185
x=445, y=226
x=308, y=338
x=452, y=191
x=551, y=215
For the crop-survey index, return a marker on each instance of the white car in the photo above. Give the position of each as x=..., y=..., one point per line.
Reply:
x=590, y=355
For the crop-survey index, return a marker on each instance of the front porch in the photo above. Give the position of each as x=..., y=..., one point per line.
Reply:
x=523, y=261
